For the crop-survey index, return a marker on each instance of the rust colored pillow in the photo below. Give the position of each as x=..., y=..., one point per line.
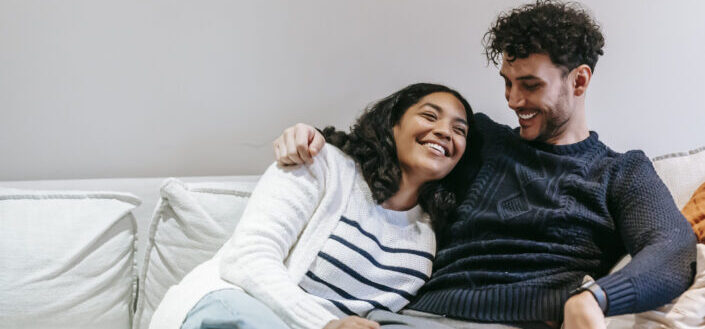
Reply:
x=694, y=211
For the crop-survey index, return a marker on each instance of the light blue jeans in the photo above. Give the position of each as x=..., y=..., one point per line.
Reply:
x=231, y=309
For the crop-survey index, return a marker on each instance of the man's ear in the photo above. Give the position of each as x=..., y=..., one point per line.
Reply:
x=581, y=79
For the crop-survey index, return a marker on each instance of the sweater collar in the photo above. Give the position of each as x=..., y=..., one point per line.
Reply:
x=576, y=148
x=402, y=217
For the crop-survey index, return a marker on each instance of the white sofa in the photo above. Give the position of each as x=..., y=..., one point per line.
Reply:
x=73, y=255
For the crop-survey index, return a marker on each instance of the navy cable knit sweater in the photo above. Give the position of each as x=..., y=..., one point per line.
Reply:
x=537, y=218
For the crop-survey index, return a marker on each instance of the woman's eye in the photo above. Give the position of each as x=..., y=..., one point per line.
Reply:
x=429, y=116
x=460, y=131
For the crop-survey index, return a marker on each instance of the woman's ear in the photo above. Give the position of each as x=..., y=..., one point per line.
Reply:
x=581, y=80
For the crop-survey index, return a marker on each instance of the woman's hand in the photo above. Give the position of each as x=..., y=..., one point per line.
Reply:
x=582, y=311
x=297, y=145
x=352, y=322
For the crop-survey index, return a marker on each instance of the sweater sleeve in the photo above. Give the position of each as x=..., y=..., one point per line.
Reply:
x=278, y=211
x=655, y=234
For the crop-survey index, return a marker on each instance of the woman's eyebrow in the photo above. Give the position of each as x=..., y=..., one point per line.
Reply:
x=440, y=110
x=436, y=107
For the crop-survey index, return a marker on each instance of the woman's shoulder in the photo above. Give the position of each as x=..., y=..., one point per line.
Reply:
x=334, y=158
x=330, y=163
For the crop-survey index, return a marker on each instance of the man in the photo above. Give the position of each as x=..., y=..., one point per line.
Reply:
x=548, y=206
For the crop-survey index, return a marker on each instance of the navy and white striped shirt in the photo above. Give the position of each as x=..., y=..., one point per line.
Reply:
x=375, y=258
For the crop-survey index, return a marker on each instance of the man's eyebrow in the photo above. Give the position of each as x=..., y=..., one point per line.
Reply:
x=440, y=110
x=528, y=77
x=523, y=77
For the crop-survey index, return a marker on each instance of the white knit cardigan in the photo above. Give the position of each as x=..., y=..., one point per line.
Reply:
x=288, y=218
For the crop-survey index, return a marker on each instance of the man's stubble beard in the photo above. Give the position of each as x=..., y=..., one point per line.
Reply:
x=557, y=119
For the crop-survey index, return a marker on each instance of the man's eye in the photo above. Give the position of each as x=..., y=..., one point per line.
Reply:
x=532, y=86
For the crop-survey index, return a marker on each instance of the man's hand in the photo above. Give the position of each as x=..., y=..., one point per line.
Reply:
x=297, y=145
x=352, y=322
x=583, y=312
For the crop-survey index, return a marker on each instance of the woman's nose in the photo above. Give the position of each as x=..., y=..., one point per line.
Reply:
x=442, y=131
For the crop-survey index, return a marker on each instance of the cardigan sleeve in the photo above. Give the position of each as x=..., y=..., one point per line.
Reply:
x=655, y=234
x=280, y=208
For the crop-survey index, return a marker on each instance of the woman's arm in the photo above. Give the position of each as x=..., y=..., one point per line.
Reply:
x=278, y=211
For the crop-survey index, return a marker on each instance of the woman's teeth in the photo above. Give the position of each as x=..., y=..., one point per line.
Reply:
x=437, y=147
x=527, y=116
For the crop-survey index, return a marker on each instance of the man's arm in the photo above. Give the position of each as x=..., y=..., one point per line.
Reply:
x=297, y=145
x=656, y=235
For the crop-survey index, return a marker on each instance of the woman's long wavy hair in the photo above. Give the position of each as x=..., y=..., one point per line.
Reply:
x=371, y=144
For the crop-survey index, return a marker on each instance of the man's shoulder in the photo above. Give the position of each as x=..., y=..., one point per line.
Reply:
x=629, y=168
x=483, y=121
x=488, y=129
x=633, y=160
x=630, y=157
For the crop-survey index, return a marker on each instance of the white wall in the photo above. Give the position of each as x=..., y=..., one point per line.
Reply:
x=130, y=88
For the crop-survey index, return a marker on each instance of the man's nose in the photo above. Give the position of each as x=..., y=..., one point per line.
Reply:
x=515, y=99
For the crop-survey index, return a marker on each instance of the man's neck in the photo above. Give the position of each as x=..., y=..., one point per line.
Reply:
x=570, y=137
x=575, y=130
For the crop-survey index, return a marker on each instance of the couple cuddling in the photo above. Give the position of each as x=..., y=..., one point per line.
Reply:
x=426, y=215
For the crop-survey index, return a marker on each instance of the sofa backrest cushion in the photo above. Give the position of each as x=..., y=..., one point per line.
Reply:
x=191, y=222
x=67, y=259
x=682, y=173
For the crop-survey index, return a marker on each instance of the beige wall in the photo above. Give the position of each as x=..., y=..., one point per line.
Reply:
x=182, y=88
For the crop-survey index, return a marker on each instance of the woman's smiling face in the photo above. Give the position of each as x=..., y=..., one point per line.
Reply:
x=430, y=137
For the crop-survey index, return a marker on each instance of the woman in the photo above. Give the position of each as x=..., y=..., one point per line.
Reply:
x=323, y=244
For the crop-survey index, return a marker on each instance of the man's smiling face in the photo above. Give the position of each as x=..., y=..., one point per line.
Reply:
x=541, y=95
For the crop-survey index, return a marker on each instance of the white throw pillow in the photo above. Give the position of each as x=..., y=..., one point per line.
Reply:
x=191, y=222
x=682, y=173
x=67, y=259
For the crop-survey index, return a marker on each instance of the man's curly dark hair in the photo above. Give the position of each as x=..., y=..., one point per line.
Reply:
x=371, y=144
x=564, y=31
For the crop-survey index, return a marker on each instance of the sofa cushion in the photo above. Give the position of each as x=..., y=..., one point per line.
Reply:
x=67, y=259
x=191, y=222
x=682, y=173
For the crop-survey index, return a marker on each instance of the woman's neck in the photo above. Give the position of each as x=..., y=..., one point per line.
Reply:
x=405, y=198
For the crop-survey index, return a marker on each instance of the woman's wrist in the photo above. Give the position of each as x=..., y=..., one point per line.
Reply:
x=332, y=324
x=583, y=299
x=582, y=311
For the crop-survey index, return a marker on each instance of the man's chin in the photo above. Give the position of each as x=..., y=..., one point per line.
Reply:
x=527, y=134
